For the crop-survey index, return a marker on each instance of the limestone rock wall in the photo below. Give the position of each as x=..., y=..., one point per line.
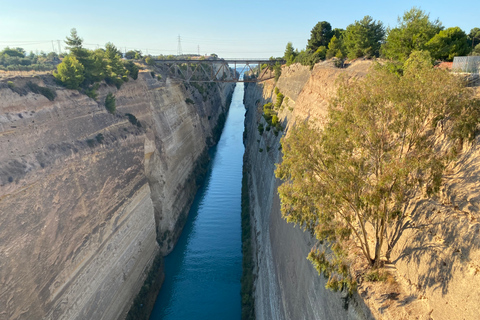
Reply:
x=85, y=194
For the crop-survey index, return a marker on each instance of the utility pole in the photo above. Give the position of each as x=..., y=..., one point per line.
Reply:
x=198, y=48
x=59, y=47
x=179, y=46
x=53, y=47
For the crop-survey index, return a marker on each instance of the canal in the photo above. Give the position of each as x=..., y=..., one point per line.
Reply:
x=202, y=274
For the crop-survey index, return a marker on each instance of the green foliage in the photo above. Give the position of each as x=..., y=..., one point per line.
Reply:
x=376, y=276
x=448, y=43
x=149, y=60
x=189, y=101
x=91, y=143
x=15, y=59
x=418, y=60
x=279, y=100
x=352, y=180
x=363, y=38
x=110, y=103
x=132, y=69
x=46, y=92
x=133, y=54
x=290, y=54
x=474, y=38
x=277, y=69
x=413, y=32
x=476, y=51
x=319, y=36
x=10, y=84
x=133, y=120
x=99, y=137
x=70, y=72
x=260, y=128
x=92, y=91
x=335, y=48
x=307, y=58
x=92, y=67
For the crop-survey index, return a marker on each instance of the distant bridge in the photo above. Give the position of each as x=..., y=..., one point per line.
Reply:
x=219, y=70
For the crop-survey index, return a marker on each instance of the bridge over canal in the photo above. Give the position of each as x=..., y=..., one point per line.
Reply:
x=219, y=70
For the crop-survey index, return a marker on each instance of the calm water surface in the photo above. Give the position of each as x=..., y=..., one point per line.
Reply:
x=202, y=274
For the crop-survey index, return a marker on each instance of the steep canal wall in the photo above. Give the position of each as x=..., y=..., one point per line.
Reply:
x=88, y=199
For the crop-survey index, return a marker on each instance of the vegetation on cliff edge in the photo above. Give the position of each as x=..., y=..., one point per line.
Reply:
x=351, y=182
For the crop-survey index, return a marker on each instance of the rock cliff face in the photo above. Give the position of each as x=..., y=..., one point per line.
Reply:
x=435, y=262
x=85, y=195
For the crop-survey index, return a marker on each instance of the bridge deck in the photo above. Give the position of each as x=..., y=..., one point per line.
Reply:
x=218, y=70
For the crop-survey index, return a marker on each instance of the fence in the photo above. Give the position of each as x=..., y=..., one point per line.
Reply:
x=470, y=64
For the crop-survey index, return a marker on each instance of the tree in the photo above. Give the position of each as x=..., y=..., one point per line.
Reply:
x=133, y=54
x=448, y=43
x=70, y=72
x=364, y=38
x=110, y=103
x=320, y=36
x=335, y=49
x=349, y=183
x=414, y=31
x=289, y=55
x=17, y=52
x=474, y=37
x=476, y=50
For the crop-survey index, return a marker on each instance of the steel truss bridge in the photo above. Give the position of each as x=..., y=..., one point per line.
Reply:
x=219, y=70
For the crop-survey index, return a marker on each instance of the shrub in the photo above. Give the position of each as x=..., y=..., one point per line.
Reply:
x=46, y=92
x=376, y=276
x=133, y=120
x=10, y=84
x=91, y=143
x=189, y=101
x=99, y=137
x=110, y=103
x=260, y=129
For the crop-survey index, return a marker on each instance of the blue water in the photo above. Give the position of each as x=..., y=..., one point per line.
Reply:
x=202, y=274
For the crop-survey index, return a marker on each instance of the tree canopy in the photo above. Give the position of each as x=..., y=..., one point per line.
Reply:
x=92, y=66
x=350, y=182
x=320, y=36
x=413, y=32
x=364, y=38
x=448, y=43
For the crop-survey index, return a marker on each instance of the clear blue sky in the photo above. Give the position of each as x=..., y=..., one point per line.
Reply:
x=233, y=29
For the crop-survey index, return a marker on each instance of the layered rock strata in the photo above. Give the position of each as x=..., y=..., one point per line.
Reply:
x=85, y=195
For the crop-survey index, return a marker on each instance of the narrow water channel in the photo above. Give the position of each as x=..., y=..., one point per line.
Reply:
x=202, y=274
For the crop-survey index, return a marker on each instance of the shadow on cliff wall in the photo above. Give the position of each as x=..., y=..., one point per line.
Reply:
x=437, y=242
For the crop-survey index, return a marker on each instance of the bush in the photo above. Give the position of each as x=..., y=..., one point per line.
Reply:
x=99, y=137
x=133, y=120
x=260, y=128
x=46, y=92
x=110, y=103
x=10, y=84
x=189, y=101
x=91, y=143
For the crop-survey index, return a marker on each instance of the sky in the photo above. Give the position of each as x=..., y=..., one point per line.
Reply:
x=231, y=29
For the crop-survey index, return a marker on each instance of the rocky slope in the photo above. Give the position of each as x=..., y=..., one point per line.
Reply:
x=435, y=264
x=85, y=195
